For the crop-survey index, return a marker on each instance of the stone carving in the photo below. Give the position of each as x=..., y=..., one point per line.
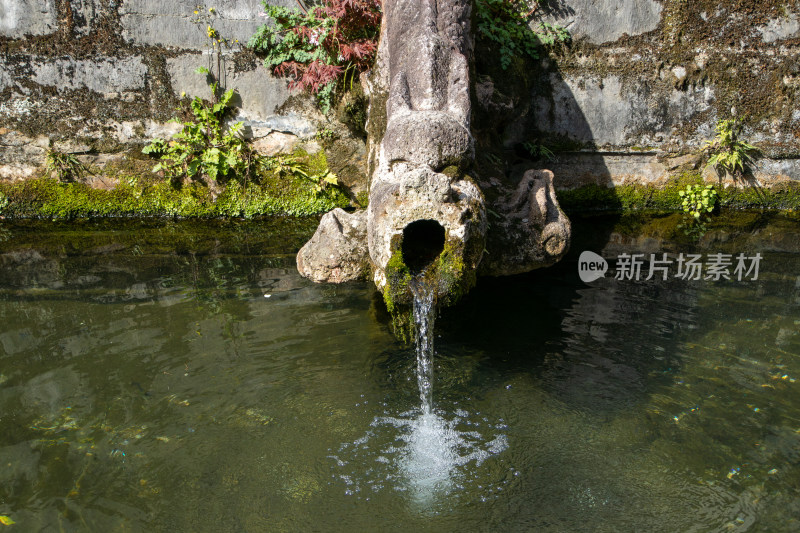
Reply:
x=425, y=212
x=532, y=231
x=424, y=53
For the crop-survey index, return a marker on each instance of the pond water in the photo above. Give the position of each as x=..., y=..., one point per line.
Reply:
x=181, y=376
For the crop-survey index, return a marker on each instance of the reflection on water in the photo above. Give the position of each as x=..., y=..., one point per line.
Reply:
x=161, y=377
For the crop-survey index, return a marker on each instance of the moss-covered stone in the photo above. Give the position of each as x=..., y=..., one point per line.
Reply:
x=396, y=296
x=140, y=193
x=452, y=278
x=785, y=196
x=48, y=198
x=398, y=277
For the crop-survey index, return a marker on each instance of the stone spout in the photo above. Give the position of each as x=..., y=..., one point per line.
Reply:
x=426, y=214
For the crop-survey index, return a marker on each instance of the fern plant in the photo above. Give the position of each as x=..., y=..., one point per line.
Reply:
x=727, y=153
x=65, y=166
x=539, y=151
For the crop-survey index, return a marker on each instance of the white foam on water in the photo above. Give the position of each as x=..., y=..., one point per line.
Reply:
x=426, y=455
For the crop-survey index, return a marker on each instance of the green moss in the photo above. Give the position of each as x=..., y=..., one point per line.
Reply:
x=396, y=294
x=453, y=279
x=47, y=198
x=317, y=163
x=362, y=199
x=398, y=276
x=149, y=196
x=626, y=197
x=451, y=171
x=784, y=196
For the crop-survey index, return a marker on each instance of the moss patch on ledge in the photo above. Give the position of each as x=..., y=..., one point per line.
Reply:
x=49, y=198
x=784, y=196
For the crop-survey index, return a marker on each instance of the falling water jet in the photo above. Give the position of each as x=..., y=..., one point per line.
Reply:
x=424, y=314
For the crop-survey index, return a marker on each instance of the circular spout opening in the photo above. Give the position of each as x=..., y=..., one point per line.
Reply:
x=423, y=241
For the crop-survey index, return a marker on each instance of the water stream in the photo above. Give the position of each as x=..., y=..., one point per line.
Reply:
x=424, y=451
x=423, y=291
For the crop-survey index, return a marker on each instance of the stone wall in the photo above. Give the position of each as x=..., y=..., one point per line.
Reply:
x=98, y=76
x=633, y=98
x=647, y=81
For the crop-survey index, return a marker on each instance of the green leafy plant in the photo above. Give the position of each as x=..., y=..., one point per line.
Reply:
x=3, y=202
x=698, y=199
x=727, y=153
x=204, y=148
x=65, y=166
x=321, y=48
x=506, y=24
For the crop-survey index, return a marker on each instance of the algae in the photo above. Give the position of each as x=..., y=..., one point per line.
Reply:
x=48, y=198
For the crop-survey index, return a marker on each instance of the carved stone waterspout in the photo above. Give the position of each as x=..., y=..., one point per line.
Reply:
x=425, y=211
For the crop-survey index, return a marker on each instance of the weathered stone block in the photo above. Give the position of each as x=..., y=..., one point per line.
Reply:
x=103, y=75
x=31, y=17
x=607, y=112
x=156, y=22
x=602, y=21
x=260, y=92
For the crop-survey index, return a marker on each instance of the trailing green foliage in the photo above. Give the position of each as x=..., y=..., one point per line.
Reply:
x=506, y=24
x=323, y=49
x=66, y=167
x=698, y=199
x=3, y=202
x=727, y=153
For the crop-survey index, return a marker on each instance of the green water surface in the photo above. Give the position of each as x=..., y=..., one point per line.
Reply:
x=181, y=376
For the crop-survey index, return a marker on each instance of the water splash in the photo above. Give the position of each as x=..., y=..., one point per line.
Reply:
x=428, y=456
x=425, y=452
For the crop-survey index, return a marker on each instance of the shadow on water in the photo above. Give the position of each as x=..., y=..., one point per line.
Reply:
x=580, y=342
